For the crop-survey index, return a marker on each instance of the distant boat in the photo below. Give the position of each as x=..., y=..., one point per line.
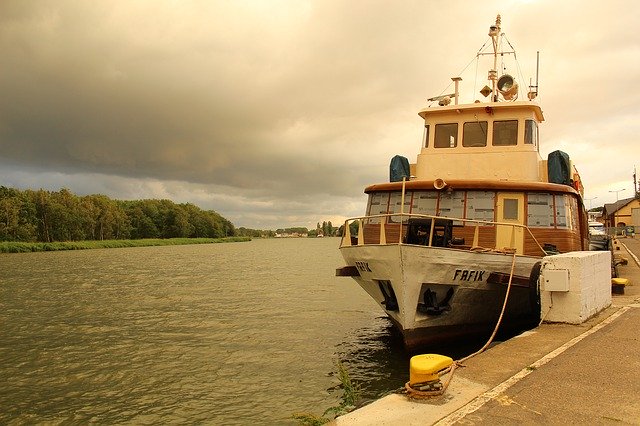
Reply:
x=437, y=243
x=598, y=238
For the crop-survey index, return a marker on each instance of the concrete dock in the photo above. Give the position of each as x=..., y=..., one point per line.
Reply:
x=554, y=374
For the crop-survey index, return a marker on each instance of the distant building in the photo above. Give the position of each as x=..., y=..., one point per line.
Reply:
x=292, y=235
x=622, y=214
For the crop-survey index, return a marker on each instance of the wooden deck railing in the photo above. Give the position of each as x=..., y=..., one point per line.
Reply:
x=483, y=232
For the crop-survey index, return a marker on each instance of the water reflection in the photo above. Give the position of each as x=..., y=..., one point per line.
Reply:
x=375, y=358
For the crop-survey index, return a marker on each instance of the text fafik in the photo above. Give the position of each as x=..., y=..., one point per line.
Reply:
x=468, y=275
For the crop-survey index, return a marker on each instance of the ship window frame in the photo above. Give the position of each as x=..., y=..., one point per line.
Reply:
x=451, y=204
x=424, y=203
x=395, y=200
x=531, y=132
x=562, y=212
x=511, y=139
x=480, y=205
x=540, y=210
x=425, y=136
x=510, y=209
x=475, y=142
x=384, y=206
x=443, y=134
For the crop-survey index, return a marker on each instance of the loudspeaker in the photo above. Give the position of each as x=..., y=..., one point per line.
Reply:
x=439, y=184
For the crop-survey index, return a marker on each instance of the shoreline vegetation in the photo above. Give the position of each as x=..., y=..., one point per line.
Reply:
x=26, y=247
x=60, y=220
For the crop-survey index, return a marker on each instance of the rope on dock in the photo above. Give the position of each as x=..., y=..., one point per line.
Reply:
x=418, y=394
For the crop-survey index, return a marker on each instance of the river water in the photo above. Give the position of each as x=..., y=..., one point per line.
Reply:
x=237, y=333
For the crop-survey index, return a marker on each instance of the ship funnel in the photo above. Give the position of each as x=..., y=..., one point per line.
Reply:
x=439, y=184
x=507, y=87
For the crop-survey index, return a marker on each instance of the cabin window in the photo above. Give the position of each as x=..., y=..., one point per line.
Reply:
x=563, y=215
x=474, y=133
x=531, y=132
x=451, y=204
x=425, y=136
x=573, y=207
x=378, y=204
x=510, y=209
x=505, y=133
x=446, y=135
x=540, y=210
x=395, y=205
x=480, y=205
x=424, y=202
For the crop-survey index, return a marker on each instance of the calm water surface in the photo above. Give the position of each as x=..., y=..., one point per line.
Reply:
x=238, y=333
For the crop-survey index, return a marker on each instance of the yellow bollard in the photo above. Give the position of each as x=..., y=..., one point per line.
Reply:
x=427, y=368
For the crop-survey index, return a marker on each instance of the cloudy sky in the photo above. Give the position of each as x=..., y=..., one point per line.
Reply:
x=278, y=113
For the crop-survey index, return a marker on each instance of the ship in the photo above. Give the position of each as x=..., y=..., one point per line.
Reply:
x=453, y=242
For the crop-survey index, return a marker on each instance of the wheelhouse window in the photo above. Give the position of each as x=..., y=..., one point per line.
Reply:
x=505, y=133
x=480, y=205
x=425, y=136
x=474, y=133
x=531, y=132
x=446, y=135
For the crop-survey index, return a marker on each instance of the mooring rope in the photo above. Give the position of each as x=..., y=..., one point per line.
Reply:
x=418, y=394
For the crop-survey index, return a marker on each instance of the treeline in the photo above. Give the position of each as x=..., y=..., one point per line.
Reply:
x=326, y=229
x=46, y=216
x=254, y=233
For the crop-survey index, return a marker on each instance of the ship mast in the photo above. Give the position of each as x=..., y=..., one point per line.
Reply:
x=494, y=33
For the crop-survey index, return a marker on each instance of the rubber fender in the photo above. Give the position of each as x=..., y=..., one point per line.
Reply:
x=534, y=289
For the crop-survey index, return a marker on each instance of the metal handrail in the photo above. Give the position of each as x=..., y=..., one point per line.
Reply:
x=360, y=220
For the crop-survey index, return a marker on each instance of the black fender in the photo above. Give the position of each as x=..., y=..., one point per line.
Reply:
x=534, y=289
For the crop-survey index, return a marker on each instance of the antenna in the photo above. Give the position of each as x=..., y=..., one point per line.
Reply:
x=533, y=90
x=537, y=69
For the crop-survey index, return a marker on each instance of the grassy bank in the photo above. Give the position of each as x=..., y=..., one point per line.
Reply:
x=19, y=247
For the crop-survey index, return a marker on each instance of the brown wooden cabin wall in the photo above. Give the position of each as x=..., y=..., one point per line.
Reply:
x=565, y=240
x=392, y=233
x=486, y=235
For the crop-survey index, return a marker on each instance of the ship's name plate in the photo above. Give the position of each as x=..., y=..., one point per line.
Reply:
x=468, y=275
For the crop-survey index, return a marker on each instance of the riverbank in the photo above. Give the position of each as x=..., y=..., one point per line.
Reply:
x=22, y=247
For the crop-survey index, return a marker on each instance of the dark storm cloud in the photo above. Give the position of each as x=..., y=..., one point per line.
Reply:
x=261, y=109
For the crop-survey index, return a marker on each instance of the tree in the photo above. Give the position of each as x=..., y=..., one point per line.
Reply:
x=62, y=216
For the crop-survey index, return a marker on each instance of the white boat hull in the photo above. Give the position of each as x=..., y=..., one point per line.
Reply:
x=443, y=294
